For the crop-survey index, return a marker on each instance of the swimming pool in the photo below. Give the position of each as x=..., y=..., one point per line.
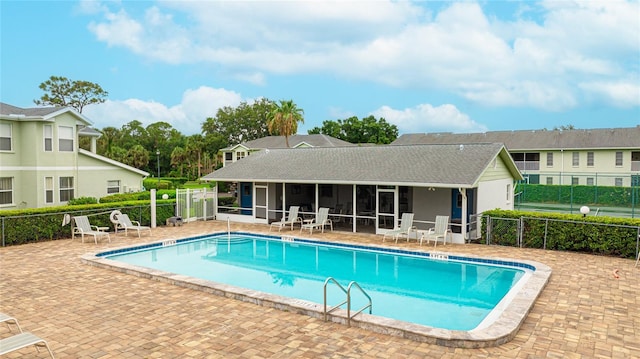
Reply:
x=428, y=296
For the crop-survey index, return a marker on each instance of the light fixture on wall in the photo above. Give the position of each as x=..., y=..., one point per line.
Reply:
x=431, y=189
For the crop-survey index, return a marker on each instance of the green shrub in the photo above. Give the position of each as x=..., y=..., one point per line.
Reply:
x=83, y=200
x=37, y=224
x=611, y=236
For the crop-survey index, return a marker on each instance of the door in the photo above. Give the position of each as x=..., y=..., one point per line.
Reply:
x=456, y=208
x=387, y=203
x=262, y=204
x=246, y=198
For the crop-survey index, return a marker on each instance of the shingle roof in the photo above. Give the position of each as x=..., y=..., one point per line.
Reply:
x=611, y=138
x=318, y=140
x=427, y=165
x=7, y=110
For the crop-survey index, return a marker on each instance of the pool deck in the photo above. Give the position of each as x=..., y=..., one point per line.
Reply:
x=88, y=312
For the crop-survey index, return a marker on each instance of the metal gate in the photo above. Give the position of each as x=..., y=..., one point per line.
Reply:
x=196, y=204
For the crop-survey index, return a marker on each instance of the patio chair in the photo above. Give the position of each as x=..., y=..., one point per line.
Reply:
x=321, y=220
x=406, y=225
x=84, y=228
x=125, y=223
x=291, y=220
x=22, y=340
x=440, y=230
x=4, y=318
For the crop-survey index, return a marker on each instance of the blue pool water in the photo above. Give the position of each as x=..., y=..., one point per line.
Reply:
x=449, y=294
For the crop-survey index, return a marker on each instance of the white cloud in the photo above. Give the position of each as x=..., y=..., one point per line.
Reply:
x=427, y=118
x=453, y=48
x=186, y=117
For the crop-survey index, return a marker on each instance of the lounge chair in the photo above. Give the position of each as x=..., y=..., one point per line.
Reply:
x=291, y=220
x=406, y=225
x=84, y=228
x=125, y=223
x=321, y=220
x=4, y=318
x=440, y=230
x=22, y=340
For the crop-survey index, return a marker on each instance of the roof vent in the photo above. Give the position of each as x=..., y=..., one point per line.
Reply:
x=461, y=147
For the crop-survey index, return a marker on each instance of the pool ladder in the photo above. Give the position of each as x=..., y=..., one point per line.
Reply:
x=346, y=291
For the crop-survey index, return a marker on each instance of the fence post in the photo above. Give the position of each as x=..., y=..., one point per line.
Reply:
x=488, y=230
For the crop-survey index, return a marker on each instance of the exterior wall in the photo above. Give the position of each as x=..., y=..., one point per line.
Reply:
x=497, y=170
x=493, y=194
x=604, y=171
x=428, y=204
x=93, y=176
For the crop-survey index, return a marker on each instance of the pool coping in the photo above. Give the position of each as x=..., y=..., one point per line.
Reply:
x=499, y=331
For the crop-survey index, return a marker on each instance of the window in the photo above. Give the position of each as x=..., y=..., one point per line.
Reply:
x=618, y=182
x=66, y=189
x=619, y=159
x=590, y=181
x=508, y=193
x=549, y=159
x=5, y=137
x=65, y=139
x=48, y=190
x=589, y=159
x=228, y=156
x=575, y=181
x=549, y=180
x=576, y=159
x=240, y=155
x=113, y=186
x=48, y=138
x=6, y=190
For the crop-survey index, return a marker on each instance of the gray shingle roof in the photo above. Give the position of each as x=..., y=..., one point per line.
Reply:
x=610, y=138
x=427, y=165
x=279, y=142
x=7, y=110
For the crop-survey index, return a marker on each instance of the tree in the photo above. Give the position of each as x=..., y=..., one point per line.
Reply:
x=62, y=92
x=233, y=125
x=137, y=156
x=367, y=130
x=284, y=118
x=178, y=156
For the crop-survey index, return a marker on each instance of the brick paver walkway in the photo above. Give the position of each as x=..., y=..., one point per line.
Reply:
x=89, y=312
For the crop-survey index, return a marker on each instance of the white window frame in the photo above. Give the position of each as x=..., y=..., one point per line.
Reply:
x=575, y=181
x=47, y=138
x=7, y=190
x=240, y=155
x=64, y=140
x=549, y=180
x=575, y=161
x=590, y=159
x=113, y=186
x=590, y=181
x=549, y=159
x=6, y=132
x=619, y=159
x=618, y=181
x=68, y=188
x=49, y=190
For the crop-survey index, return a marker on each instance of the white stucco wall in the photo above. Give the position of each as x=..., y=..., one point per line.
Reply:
x=493, y=194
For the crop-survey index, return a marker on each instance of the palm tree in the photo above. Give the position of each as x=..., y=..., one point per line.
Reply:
x=284, y=118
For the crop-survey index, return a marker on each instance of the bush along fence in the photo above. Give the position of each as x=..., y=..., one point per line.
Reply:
x=619, y=237
x=34, y=225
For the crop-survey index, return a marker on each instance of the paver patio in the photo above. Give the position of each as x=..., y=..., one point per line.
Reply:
x=88, y=312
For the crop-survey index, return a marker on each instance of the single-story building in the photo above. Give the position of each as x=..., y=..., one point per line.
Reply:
x=369, y=188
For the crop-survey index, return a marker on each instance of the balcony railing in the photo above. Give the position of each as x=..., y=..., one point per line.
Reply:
x=528, y=165
x=635, y=165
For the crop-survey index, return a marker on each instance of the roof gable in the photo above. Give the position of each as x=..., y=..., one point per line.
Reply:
x=38, y=113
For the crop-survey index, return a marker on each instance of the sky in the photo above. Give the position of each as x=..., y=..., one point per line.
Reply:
x=424, y=66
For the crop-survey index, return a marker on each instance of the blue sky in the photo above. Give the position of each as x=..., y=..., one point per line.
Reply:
x=425, y=66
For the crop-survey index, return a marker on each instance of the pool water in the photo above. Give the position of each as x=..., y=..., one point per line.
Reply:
x=448, y=294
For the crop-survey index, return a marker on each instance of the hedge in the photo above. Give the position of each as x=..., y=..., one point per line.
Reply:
x=588, y=195
x=37, y=224
x=612, y=236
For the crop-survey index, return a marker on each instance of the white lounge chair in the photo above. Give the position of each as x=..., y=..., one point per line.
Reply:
x=84, y=228
x=22, y=340
x=291, y=220
x=4, y=318
x=406, y=225
x=321, y=220
x=440, y=230
x=125, y=223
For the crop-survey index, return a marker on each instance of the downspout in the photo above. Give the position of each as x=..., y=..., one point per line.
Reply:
x=463, y=222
